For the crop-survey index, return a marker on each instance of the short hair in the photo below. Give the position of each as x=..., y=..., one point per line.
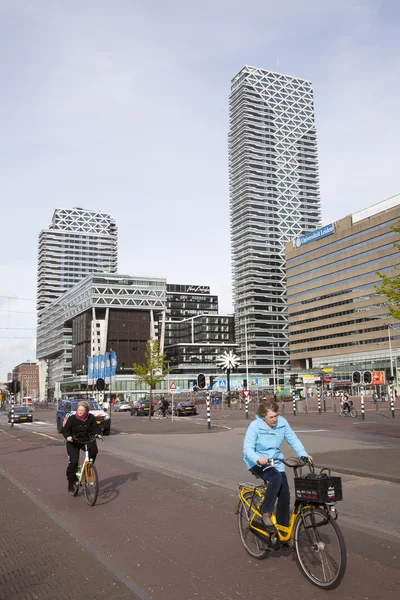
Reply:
x=266, y=405
x=85, y=405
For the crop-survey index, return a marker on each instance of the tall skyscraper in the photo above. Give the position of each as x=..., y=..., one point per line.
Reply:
x=77, y=242
x=274, y=198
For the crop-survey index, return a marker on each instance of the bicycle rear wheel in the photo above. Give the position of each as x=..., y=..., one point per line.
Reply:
x=320, y=548
x=254, y=545
x=91, y=484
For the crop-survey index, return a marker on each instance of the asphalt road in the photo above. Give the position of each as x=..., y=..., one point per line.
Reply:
x=165, y=513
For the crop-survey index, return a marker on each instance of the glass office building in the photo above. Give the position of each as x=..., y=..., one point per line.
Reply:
x=274, y=197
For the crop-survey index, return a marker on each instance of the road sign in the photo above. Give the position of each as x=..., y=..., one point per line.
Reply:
x=246, y=393
x=172, y=387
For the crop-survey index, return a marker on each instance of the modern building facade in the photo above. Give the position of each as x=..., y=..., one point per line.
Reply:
x=337, y=317
x=274, y=198
x=103, y=312
x=78, y=242
x=28, y=375
x=195, y=334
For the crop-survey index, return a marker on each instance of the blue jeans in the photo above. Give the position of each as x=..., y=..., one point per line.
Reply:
x=278, y=488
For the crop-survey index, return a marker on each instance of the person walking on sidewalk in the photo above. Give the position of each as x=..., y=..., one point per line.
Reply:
x=82, y=426
x=263, y=441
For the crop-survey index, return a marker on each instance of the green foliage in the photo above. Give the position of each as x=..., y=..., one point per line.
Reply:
x=390, y=286
x=155, y=366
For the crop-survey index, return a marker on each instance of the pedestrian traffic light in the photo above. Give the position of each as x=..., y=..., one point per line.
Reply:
x=367, y=376
x=100, y=384
x=356, y=377
x=201, y=381
x=245, y=384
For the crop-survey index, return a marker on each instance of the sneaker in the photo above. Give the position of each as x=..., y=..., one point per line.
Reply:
x=286, y=549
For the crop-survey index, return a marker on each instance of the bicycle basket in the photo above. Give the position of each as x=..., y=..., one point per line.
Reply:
x=321, y=488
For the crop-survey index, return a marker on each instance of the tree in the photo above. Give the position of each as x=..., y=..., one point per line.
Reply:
x=390, y=286
x=153, y=369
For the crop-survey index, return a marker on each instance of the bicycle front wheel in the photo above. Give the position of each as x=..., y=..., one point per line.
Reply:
x=254, y=545
x=353, y=412
x=320, y=548
x=91, y=484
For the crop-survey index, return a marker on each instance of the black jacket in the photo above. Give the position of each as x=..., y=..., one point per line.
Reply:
x=82, y=430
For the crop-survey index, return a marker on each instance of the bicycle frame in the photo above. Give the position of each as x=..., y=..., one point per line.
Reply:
x=84, y=466
x=284, y=533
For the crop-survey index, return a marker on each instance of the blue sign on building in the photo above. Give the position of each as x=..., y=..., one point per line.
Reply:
x=315, y=235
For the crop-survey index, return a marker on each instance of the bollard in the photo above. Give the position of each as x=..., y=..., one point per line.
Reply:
x=319, y=402
x=334, y=407
x=12, y=410
x=392, y=406
x=294, y=403
x=324, y=404
x=362, y=407
x=247, y=408
x=283, y=407
x=376, y=405
x=208, y=412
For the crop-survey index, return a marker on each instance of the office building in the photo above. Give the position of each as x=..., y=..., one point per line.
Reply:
x=337, y=317
x=195, y=334
x=78, y=242
x=102, y=312
x=274, y=197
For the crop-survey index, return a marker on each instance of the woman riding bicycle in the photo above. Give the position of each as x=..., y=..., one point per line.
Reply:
x=263, y=441
x=80, y=426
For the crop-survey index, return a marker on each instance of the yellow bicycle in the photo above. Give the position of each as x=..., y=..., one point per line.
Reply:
x=313, y=532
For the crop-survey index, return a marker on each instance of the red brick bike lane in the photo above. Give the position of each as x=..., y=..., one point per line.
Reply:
x=176, y=539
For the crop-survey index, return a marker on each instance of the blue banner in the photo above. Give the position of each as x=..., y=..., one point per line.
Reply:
x=102, y=366
x=113, y=366
x=107, y=378
x=90, y=370
x=96, y=368
x=314, y=235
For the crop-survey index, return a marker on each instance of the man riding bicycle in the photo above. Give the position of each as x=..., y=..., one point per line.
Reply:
x=346, y=404
x=79, y=427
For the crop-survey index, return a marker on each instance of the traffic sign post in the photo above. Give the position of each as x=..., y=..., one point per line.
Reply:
x=246, y=394
x=172, y=389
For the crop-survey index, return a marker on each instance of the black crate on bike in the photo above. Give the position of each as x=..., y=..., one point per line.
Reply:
x=324, y=489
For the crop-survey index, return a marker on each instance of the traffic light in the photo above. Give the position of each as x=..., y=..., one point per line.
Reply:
x=14, y=386
x=318, y=382
x=356, y=377
x=100, y=384
x=245, y=384
x=201, y=381
x=293, y=378
x=367, y=376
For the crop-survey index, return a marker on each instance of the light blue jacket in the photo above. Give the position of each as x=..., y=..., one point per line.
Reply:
x=262, y=440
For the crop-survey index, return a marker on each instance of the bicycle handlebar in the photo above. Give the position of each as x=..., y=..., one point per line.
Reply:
x=89, y=441
x=297, y=461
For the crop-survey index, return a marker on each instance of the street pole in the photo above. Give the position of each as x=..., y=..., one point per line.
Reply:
x=273, y=367
x=208, y=411
x=228, y=387
x=12, y=409
x=362, y=404
x=391, y=387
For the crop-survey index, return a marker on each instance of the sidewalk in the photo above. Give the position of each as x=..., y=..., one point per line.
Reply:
x=39, y=559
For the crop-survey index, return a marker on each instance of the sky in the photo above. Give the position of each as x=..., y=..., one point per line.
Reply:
x=122, y=106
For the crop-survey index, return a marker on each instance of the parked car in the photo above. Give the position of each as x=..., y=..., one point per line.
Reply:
x=141, y=408
x=22, y=414
x=68, y=406
x=185, y=408
x=122, y=406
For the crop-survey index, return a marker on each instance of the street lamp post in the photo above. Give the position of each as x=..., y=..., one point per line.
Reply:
x=273, y=367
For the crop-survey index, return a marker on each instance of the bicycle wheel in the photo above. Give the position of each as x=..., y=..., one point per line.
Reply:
x=320, y=548
x=353, y=412
x=91, y=484
x=254, y=546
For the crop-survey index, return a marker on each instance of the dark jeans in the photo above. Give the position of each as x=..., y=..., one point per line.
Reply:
x=73, y=458
x=277, y=488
